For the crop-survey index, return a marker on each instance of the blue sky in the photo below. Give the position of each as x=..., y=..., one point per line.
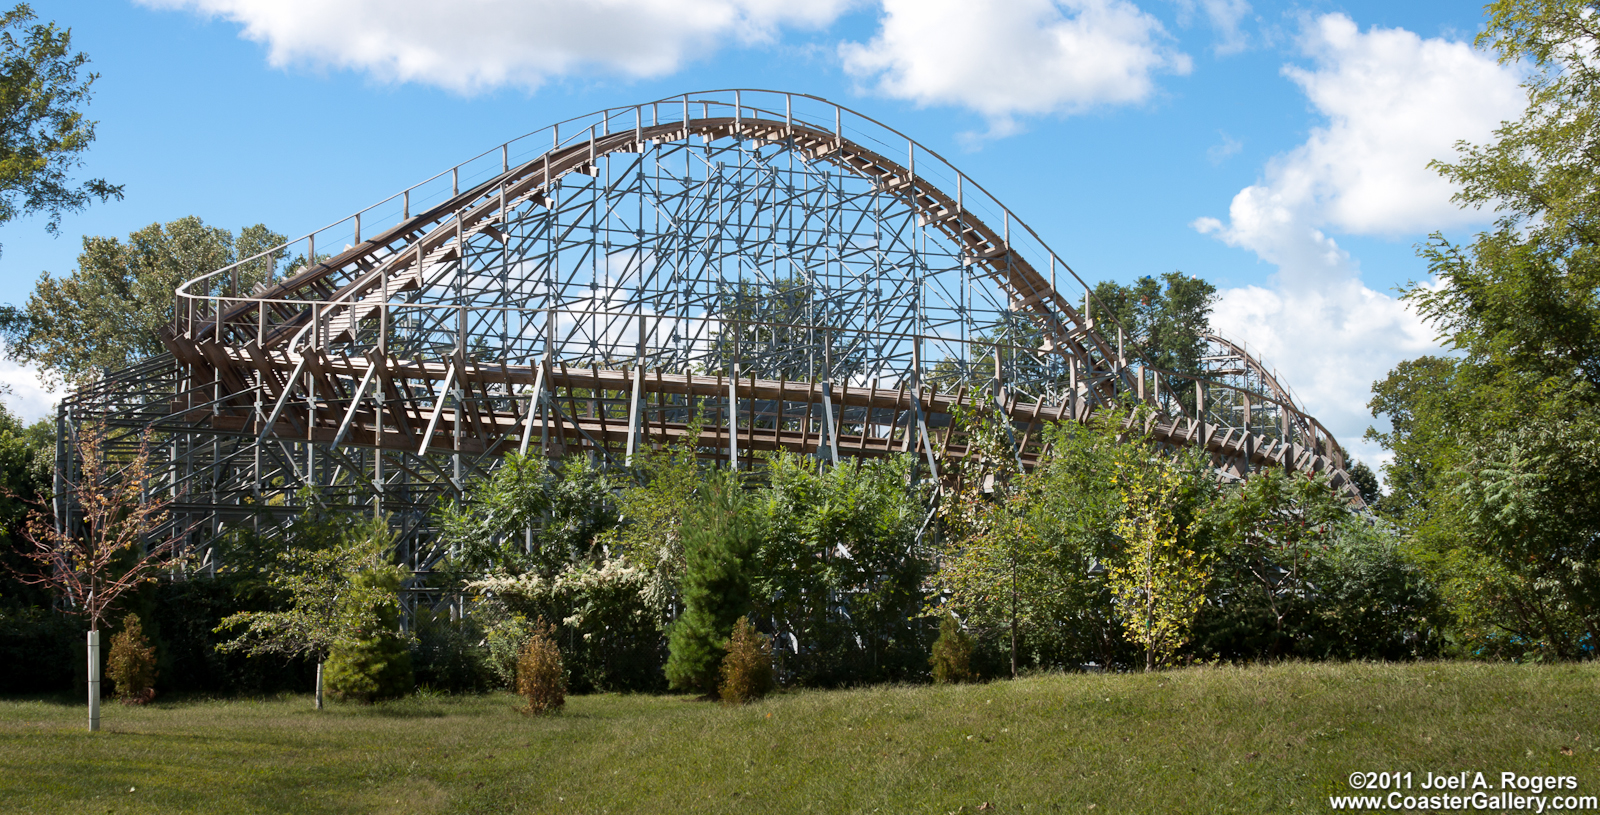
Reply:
x=1275, y=149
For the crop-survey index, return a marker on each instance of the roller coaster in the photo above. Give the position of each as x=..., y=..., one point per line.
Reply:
x=772, y=269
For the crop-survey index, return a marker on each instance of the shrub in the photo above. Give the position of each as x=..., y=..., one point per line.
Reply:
x=540, y=678
x=131, y=667
x=42, y=650
x=952, y=653
x=375, y=663
x=445, y=655
x=747, y=669
x=719, y=542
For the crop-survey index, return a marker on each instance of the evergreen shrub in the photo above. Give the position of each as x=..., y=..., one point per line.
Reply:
x=375, y=664
x=540, y=677
x=131, y=666
x=747, y=669
x=952, y=653
x=719, y=543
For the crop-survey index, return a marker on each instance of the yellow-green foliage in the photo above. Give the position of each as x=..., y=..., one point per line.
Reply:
x=952, y=653
x=1160, y=579
x=131, y=667
x=540, y=678
x=747, y=669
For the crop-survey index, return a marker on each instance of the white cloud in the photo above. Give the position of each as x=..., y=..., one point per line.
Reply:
x=474, y=45
x=1224, y=17
x=26, y=395
x=1393, y=101
x=1219, y=153
x=1015, y=58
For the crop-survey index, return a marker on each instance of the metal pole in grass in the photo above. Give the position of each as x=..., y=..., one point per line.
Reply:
x=94, y=681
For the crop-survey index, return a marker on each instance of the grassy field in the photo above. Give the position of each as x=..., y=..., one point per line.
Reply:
x=1272, y=739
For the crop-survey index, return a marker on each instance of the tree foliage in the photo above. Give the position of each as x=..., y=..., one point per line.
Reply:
x=1165, y=318
x=719, y=546
x=317, y=578
x=1163, y=568
x=371, y=661
x=131, y=666
x=1492, y=445
x=747, y=667
x=43, y=132
x=107, y=312
x=839, y=570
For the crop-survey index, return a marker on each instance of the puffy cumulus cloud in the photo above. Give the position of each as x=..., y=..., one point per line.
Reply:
x=1329, y=343
x=473, y=45
x=1018, y=57
x=25, y=393
x=1393, y=102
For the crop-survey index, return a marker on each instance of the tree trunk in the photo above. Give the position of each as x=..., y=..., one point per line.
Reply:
x=94, y=681
x=319, y=684
x=1013, y=618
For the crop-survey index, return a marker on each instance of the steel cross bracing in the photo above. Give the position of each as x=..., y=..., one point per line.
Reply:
x=796, y=274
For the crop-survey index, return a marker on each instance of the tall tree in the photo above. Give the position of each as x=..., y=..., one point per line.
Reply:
x=1495, y=466
x=1164, y=317
x=43, y=132
x=105, y=314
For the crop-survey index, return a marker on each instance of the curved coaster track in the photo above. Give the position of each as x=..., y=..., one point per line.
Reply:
x=785, y=272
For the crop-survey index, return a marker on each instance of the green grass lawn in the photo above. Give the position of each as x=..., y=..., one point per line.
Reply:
x=1272, y=739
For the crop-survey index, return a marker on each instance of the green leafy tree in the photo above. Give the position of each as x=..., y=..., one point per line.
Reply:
x=43, y=133
x=328, y=605
x=785, y=325
x=1272, y=527
x=719, y=549
x=1492, y=471
x=1161, y=575
x=1165, y=318
x=107, y=312
x=840, y=569
x=649, y=530
x=527, y=518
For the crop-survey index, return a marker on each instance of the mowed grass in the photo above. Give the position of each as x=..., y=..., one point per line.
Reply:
x=1260, y=739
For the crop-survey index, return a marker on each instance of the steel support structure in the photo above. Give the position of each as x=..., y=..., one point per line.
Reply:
x=795, y=274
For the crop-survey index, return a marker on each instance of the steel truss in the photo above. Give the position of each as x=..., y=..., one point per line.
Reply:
x=797, y=275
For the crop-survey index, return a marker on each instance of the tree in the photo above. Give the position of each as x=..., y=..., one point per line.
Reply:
x=1272, y=526
x=747, y=668
x=329, y=605
x=840, y=568
x=782, y=328
x=1165, y=317
x=111, y=549
x=372, y=662
x=1161, y=575
x=1490, y=443
x=107, y=312
x=43, y=133
x=994, y=562
x=719, y=546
